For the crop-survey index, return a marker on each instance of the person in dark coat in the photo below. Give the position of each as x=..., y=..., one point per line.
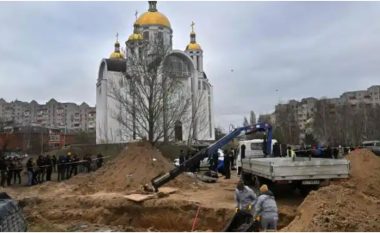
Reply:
x=17, y=172
x=68, y=165
x=3, y=170
x=11, y=168
x=181, y=157
x=276, y=150
x=227, y=165
x=30, y=170
x=41, y=169
x=232, y=158
x=89, y=161
x=54, y=162
x=335, y=152
x=328, y=153
x=215, y=158
x=99, y=161
x=61, y=167
x=49, y=167
x=74, y=165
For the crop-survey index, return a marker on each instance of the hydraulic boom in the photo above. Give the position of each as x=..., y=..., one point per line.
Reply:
x=262, y=127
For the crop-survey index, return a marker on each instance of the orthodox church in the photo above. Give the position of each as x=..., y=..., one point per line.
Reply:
x=186, y=64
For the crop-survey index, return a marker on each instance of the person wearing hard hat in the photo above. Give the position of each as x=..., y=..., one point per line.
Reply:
x=245, y=197
x=266, y=209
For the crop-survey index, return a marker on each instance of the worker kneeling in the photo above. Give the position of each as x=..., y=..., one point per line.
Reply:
x=245, y=198
x=266, y=209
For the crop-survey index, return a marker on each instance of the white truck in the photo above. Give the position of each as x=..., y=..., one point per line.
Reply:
x=253, y=149
x=302, y=173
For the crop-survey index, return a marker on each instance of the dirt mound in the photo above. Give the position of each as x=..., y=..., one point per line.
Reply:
x=136, y=165
x=350, y=205
x=365, y=172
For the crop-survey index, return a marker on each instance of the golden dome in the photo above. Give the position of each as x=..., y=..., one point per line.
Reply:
x=155, y=17
x=135, y=37
x=193, y=46
x=117, y=55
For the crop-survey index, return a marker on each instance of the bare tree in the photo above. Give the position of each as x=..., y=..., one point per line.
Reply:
x=245, y=122
x=198, y=120
x=347, y=124
x=252, y=118
x=150, y=97
x=219, y=133
x=286, y=124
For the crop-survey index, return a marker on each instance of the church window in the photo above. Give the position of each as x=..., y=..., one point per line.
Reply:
x=197, y=63
x=199, y=85
x=146, y=35
x=160, y=36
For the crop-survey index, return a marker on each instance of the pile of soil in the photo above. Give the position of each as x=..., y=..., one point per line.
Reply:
x=349, y=205
x=96, y=201
x=135, y=166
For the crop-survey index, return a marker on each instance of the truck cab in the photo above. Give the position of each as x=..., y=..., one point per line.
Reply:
x=253, y=149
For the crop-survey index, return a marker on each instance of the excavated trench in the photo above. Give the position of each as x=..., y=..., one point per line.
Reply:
x=85, y=214
x=89, y=213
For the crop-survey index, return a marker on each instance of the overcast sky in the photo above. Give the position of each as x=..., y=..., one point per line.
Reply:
x=53, y=49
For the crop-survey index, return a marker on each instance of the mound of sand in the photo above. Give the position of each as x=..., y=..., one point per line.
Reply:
x=350, y=205
x=135, y=166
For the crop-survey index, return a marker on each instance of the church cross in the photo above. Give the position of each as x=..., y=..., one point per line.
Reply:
x=136, y=13
x=117, y=36
x=192, y=26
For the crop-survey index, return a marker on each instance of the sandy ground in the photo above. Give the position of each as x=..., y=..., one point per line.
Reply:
x=97, y=201
x=346, y=205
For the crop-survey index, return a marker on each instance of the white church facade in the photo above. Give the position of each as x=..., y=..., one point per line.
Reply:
x=114, y=79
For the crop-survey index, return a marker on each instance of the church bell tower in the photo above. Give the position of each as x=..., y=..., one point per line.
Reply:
x=194, y=50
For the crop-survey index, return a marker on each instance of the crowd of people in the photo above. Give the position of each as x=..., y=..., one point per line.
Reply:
x=41, y=169
x=314, y=151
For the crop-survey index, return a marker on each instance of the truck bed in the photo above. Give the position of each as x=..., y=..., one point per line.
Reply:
x=277, y=169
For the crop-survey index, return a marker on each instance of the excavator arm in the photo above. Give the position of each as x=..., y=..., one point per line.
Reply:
x=160, y=180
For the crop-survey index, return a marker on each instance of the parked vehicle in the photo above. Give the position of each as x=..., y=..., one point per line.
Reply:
x=12, y=155
x=374, y=146
x=302, y=173
x=253, y=149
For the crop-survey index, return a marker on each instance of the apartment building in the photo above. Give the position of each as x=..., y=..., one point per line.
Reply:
x=304, y=110
x=53, y=114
